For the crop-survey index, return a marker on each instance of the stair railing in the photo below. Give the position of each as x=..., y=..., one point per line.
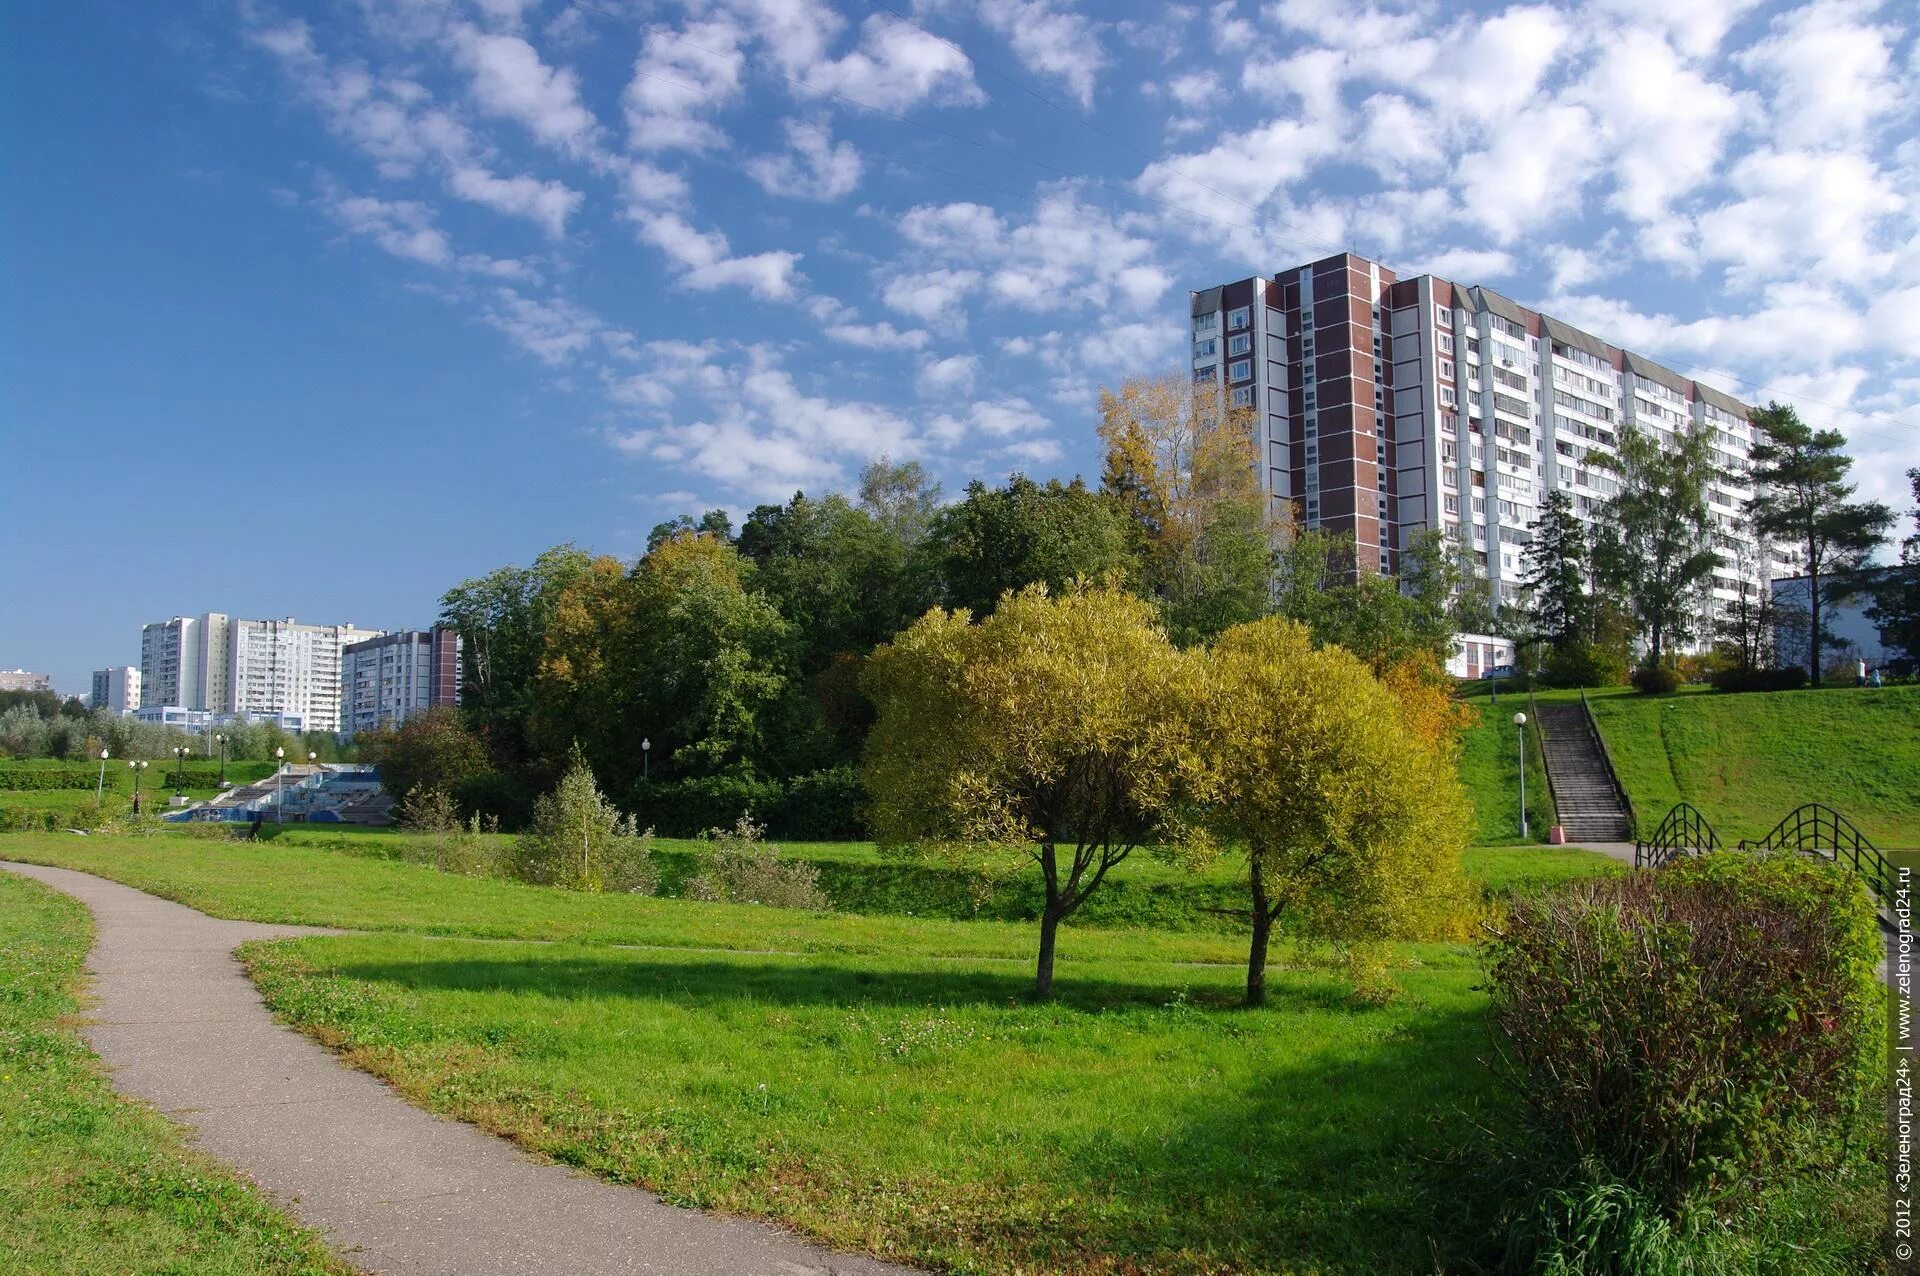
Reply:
x=1820, y=831
x=1613, y=772
x=1684, y=832
x=1537, y=748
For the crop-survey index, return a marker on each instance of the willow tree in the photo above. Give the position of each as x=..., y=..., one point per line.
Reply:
x=1056, y=728
x=1339, y=785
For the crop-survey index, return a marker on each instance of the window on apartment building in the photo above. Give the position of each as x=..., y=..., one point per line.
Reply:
x=1240, y=371
x=1445, y=342
x=1205, y=323
x=1240, y=343
x=1446, y=369
x=1451, y=504
x=1243, y=396
x=1448, y=397
x=1239, y=318
x=1206, y=349
x=1443, y=316
x=1206, y=375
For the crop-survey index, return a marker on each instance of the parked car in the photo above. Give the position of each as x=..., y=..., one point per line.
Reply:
x=1499, y=672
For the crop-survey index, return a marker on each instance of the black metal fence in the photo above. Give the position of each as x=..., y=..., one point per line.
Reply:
x=1823, y=832
x=1684, y=832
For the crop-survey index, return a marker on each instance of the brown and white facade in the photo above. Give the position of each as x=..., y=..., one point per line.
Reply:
x=1389, y=406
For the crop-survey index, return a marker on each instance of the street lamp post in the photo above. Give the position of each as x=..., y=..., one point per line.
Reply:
x=1520, y=721
x=646, y=759
x=136, y=768
x=180, y=769
x=279, y=781
x=221, y=740
x=100, y=789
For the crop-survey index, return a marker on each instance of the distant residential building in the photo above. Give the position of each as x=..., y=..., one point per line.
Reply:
x=283, y=667
x=117, y=689
x=219, y=664
x=21, y=680
x=1384, y=406
x=385, y=680
x=1474, y=654
x=1851, y=635
x=185, y=661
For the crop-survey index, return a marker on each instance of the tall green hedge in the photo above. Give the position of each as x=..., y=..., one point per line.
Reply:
x=822, y=807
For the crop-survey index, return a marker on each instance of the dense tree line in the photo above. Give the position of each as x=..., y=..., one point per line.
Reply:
x=724, y=664
x=1638, y=581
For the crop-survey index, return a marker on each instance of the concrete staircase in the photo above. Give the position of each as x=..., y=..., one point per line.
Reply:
x=1584, y=791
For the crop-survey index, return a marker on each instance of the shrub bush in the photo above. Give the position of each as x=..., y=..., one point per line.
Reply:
x=580, y=840
x=496, y=796
x=1689, y=1032
x=1582, y=664
x=738, y=867
x=1737, y=678
x=688, y=808
x=427, y=810
x=827, y=806
x=1656, y=680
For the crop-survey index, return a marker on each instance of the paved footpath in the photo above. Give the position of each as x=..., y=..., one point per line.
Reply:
x=394, y=1189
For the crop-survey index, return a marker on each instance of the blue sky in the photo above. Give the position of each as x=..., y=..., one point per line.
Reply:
x=314, y=310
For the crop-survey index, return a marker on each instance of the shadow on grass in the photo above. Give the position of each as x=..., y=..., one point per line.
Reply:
x=783, y=980
x=1344, y=1162
x=1294, y=1154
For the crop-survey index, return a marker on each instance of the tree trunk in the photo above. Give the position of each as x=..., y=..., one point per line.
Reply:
x=1813, y=634
x=1262, y=930
x=1049, y=922
x=1043, y=970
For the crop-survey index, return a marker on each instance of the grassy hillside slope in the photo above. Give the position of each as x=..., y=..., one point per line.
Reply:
x=1746, y=760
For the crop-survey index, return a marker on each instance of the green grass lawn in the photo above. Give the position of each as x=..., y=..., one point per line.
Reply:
x=338, y=878
x=1490, y=770
x=1747, y=760
x=923, y=1109
x=90, y=1183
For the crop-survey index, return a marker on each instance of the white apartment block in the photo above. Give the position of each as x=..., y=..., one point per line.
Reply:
x=186, y=661
x=221, y=665
x=384, y=681
x=1388, y=406
x=282, y=667
x=116, y=689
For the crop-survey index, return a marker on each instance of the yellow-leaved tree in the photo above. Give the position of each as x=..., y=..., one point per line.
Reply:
x=1342, y=793
x=1186, y=469
x=1058, y=727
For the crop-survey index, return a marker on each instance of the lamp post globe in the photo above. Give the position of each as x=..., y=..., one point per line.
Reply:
x=1520, y=721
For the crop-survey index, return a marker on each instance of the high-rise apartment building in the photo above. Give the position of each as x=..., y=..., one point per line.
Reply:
x=283, y=667
x=385, y=680
x=117, y=689
x=186, y=661
x=1388, y=406
x=224, y=665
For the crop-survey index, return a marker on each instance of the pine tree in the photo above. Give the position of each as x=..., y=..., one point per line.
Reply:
x=1656, y=550
x=1553, y=574
x=1801, y=496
